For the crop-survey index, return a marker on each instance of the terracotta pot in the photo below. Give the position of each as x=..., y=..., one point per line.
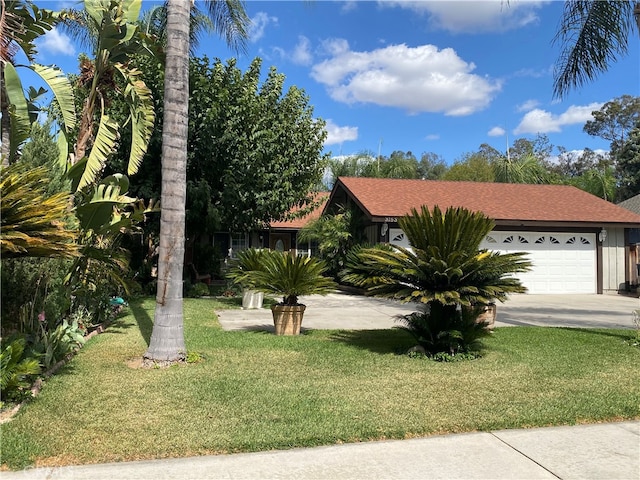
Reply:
x=287, y=319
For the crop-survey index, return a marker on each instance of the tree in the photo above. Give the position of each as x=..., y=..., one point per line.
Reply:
x=431, y=167
x=523, y=169
x=336, y=233
x=167, y=338
x=614, y=121
x=600, y=182
x=592, y=34
x=471, y=167
x=629, y=165
x=266, y=157
x=444, y=272
x=399, y=165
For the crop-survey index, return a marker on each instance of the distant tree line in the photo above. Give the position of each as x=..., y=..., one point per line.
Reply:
x=613, y=175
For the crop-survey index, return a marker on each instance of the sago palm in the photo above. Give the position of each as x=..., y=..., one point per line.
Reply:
x=288, y=275
x=444, y=271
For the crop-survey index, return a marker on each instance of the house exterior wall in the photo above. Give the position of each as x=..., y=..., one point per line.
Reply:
x=371, y=233
x=613, y=261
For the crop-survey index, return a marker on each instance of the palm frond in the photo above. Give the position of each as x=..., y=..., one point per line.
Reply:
x=33, y=224
x=592, y=34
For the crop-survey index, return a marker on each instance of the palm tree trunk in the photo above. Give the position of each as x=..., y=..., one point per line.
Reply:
x=167, y=338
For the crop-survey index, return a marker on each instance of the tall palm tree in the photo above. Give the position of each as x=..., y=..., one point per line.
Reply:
x=228, y=18
x=592, y=34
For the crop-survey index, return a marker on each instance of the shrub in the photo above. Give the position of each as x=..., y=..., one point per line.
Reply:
x=449, y=332
x=198, y=290
x=17, y=370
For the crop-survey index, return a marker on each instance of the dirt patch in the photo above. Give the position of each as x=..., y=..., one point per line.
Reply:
x=145, y=363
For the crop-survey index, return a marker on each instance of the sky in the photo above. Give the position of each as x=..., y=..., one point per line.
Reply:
x=426, y=76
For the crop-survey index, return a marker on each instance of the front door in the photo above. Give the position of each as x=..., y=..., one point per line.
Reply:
x=280, y=242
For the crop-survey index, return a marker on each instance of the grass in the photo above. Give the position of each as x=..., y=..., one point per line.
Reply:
x=255, y=391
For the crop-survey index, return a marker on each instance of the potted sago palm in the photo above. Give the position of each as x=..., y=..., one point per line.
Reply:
x=290, y=277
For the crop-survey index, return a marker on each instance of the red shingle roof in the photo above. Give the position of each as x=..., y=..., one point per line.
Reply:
x=298, y=223
x=381, y=197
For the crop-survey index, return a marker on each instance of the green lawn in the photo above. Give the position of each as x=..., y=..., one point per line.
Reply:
x=255, y=391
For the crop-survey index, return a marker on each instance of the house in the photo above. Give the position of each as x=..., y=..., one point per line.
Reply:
x=283, y=234
x=577, y=242
x=633, y=204
x=278, y=235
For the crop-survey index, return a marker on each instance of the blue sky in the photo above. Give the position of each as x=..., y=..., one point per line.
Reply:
x=440, y=77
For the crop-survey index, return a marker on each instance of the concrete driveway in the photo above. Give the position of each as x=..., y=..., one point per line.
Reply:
x=355, y=312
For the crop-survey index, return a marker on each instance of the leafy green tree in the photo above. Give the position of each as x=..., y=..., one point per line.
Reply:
x=266, y=154
x=230, y=19
x=592, y=34
x=444, y=272
x=399, y=165
x=431, y=167
x=471, y=167
x=629, y=165
x=614, y=121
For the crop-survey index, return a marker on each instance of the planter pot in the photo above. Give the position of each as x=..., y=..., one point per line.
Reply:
x=287, y=319
x=252, y=299
x=488, y=315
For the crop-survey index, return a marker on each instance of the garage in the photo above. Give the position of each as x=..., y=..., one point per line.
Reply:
x=562, y=262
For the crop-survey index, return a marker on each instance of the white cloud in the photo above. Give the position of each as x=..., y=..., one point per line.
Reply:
x=302, y=52
x=496, y=132
x=432, y=136
x=337, y=134
x=541, y=121
x=417, y=79
x=466, y=16
x=528, y=105
x=259, y=23
x=55, y=42
x=349, y=6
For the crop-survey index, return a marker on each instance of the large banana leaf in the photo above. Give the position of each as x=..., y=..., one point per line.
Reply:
x=62, y=91
x=96, y=213
x=103, y=146
x=18, y=111
x=138, y=97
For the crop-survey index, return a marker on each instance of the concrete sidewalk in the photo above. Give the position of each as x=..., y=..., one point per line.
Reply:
x=356, y=312
x=599, y=452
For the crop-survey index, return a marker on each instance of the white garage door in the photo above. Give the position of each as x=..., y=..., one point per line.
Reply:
x=562, y=262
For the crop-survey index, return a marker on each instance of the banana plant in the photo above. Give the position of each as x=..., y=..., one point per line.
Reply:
x=20, y=25
x=115, y=37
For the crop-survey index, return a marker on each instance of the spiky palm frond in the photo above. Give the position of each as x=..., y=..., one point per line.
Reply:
x=288, y=275
x=592, y=34
x=444, y=264
x=33, y=224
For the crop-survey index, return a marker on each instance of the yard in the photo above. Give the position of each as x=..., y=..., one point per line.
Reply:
x=254, y=391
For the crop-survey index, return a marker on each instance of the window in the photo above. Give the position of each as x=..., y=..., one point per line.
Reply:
x=509, y=239
x=541, y=240
x=239, y=242
x=521, y=239
x=490, y=239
